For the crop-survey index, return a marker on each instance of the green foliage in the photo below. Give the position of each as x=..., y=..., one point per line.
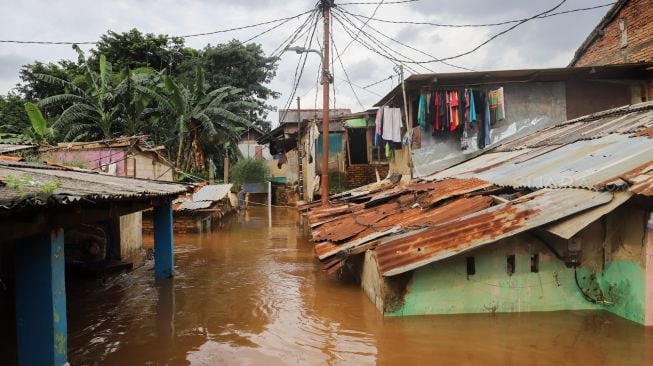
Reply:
x=195, y=102
x=242, y=66
x=133, y=49
x=20, y=183
x=39, y=132
x=249, y=171
x=33, y=89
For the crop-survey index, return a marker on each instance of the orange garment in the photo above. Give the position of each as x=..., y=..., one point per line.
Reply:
x=454, y=111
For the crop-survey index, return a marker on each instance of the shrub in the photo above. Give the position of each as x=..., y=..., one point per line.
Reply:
x=249, y=171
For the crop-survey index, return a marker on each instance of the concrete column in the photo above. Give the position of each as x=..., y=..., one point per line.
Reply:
x=163, y=240
x=41, y=326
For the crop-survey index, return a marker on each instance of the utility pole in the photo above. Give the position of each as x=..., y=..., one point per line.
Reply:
x=300, y=171
x=326, y=79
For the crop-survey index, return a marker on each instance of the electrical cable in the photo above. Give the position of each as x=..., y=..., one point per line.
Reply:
x=411, y=47
x=371, y=48
x=376, y=3
x=378, y=82
x=485, y=42
x=364, y=25
x=385, y=47
x=284, y=20
x=476, y=25
x=345, y=72
x=298, y=76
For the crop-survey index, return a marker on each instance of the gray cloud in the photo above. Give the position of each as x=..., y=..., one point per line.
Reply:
x=540, y=43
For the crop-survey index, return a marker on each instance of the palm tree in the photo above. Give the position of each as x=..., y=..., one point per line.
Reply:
x=201, y=117
x=92, y=113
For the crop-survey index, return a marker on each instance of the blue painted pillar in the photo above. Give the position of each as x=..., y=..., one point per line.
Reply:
x=163, y=241
x=41, y=326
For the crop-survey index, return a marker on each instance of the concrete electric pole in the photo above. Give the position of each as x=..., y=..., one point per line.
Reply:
x=326, y=79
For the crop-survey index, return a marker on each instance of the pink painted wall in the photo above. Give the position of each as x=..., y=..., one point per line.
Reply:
x=649, y=274
x=92, y=159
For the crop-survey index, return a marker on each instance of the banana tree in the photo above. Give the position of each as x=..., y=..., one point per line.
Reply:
x=92, y=113
x=203, y=117
x=38, y=132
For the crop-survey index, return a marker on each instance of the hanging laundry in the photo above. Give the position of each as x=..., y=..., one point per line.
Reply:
x=377, y=126
x=460, y=95
x=444, y=107
x=454, y=110
x=431, y=111
x=392, y=124
x=388, y=152
x=497, y=108
x=486, y=123
x=421, y=111
x=472, y=108
x=436, y=126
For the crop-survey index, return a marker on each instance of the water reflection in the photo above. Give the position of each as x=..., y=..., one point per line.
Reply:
x=251, y=295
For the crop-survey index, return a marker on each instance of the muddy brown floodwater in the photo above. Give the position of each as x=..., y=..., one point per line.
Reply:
x=252, y=295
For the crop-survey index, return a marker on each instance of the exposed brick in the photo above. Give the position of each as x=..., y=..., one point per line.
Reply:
x=362, y=174
x=606, y=49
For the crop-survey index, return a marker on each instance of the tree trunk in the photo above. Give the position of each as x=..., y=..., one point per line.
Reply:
x=197, y=148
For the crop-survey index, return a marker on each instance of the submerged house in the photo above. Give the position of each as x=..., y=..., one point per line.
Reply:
x=203, y=209
x=40, y=207
x=556, y=220
x=130, y=156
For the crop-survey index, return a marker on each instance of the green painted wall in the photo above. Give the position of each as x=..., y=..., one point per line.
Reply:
x=444, y=287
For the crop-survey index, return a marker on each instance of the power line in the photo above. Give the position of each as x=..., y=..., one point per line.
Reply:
x=382, y=48
x=376, y=3
x=410, y=47
x=284, y=20
x=475, y=25
x=338, y=54
x=273, y=28
x=378, y=82
x=361, y=29
x=298, y=76
x=483, y=43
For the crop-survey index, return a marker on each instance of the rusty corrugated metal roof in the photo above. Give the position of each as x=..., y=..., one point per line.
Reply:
x=408, y=219
x=483, y=227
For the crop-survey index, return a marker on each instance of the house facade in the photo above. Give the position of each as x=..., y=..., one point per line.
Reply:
x=558, y=219
x=122, y=157
x=529, y=100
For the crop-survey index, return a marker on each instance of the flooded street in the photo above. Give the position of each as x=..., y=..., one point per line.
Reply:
x=252, y=295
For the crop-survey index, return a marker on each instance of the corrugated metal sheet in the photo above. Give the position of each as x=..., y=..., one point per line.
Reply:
x=585, y=164
x=640, y=179
x=624, y=120
x=483, y=227
x=191, y=205
x=9, y=148
x=213, y=192
x=74, y=185
x=570, y=226
x=407, y=219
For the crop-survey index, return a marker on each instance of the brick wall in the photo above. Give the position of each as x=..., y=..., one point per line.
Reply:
x=362, y=174
x=607, y=48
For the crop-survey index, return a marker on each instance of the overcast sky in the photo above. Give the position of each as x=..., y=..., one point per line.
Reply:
x=548, y=42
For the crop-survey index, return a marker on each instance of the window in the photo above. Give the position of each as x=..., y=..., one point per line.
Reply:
x=471, y=266
x=510, y=264
x=357, y=143
x=535, y=263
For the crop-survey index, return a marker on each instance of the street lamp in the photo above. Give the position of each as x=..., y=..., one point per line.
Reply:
x=326, y=80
